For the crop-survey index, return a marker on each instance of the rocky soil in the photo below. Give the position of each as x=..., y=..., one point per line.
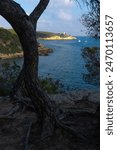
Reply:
x=78, y=110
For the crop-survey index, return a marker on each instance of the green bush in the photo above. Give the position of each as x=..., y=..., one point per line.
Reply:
x=9, y=42
x=50, y=85
x=9, y=74
x=91, y=56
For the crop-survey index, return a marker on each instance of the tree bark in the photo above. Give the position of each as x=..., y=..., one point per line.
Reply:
x=25, y=27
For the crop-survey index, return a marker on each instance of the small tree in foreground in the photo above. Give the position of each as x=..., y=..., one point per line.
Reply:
x=27, y=82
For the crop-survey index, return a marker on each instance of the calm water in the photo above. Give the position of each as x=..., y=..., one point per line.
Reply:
x=66, y=62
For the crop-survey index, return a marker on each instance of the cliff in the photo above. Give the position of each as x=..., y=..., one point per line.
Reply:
x=10, y=46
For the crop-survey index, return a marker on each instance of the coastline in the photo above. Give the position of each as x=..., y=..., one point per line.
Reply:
x=13, y=55
x=10, y=46
x=58, y=38
x=42, y=51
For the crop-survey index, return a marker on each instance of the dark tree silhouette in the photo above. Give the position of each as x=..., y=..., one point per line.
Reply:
x=91, y=20
x=91, y=57
x=25, y=27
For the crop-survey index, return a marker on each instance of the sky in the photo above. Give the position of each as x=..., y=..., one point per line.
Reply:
x=60, y=16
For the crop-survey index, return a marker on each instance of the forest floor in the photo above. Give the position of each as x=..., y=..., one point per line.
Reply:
x=20, y=131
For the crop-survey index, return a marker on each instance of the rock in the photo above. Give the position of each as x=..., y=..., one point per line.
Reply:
x=44, y=51
x=79, y=115
x=72, y=97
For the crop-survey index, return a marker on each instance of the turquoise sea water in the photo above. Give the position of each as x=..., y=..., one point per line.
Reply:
x=66, y=63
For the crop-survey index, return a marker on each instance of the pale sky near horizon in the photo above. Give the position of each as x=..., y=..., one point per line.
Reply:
x=60, y=16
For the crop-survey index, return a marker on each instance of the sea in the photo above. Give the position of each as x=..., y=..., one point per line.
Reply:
x=66, y=63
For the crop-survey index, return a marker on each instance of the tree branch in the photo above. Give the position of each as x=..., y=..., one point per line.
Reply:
x=39, y=9
x=12, y=12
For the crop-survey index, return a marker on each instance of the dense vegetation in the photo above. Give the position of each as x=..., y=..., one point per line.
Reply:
x=43, y=34
x=91, y=20
x=9, y=42
x=91, y=56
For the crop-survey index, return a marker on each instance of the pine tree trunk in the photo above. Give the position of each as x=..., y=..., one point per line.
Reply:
x=29, y=80
x=25, y=27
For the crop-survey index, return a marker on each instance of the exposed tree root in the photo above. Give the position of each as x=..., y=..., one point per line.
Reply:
x=28, y=136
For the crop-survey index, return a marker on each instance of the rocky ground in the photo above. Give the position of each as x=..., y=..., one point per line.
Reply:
x=19, y=131
x=44, y=51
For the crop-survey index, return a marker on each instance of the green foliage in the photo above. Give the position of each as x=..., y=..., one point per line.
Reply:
x=91, y=20
x=50, y=85
x=9, y=74
x=91, y=56
x=43, y=34
x=9, y=42
x=90, y=53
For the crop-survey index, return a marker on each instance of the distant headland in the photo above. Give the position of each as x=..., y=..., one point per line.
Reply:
x=10, y=46
x=42, y=35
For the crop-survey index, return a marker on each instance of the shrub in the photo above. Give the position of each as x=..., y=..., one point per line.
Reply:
x=91, y=56
x=50, y=85
x=9, y=74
